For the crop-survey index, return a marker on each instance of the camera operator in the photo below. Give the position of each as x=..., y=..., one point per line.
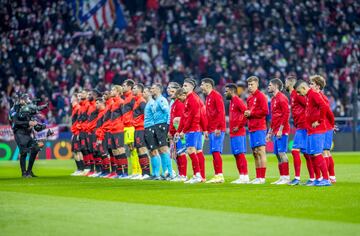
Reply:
x=23, y=126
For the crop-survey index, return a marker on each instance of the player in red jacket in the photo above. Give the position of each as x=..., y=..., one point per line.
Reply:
x=215, y=131
x=117, y=132
x=237, y=122
x=181, y=95
x=190, y=127
x=94, y=161
x=107, y=126
x=81, y=125
x=129, y=130
x=280, y=128
x=315, y=112
x=75, y=145
x=138, y=123
x=256, y=114
x=318, y=83
x=203, y=129
x=177, y=107
x=298, y=106
x=100, y=146
x=87, y=104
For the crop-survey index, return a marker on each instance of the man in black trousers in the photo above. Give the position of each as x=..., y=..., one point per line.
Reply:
x=23, y=128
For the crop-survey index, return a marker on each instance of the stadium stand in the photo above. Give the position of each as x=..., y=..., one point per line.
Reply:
x=46, y=53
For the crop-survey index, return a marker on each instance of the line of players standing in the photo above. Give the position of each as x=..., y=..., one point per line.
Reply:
x=142, y=119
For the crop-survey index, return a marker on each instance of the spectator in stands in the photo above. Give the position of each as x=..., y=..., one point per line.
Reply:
x=44, y=50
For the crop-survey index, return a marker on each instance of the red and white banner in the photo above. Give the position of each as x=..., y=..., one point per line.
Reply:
x=6, y=133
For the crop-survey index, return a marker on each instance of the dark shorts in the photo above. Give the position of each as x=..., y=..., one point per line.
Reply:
x=75, y=143
x=161, y=131
x=140, y=138
x=100, y=149
x=150, y=139
x=90, y=139
x=83, y=141
x=116, y=140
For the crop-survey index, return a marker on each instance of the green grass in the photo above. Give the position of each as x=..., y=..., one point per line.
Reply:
x=57, y=204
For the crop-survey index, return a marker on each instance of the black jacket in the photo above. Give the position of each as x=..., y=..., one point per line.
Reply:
x=19, y=124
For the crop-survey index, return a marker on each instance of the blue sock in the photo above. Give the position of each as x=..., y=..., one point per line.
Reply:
x=163, y=163
x=153, y=165
x=168, y=164
x=158, y=163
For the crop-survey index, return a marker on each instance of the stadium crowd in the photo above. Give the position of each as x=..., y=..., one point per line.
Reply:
x=46, y=53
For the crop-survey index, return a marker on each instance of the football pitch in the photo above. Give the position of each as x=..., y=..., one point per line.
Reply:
x=57, y=204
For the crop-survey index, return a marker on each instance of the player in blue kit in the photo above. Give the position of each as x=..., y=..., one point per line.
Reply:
x=149, y=125
x=161, y=115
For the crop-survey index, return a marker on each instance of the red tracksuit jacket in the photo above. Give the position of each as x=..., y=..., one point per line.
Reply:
x=316, y=109
x=128, y=108
x=117, y=122
x=298, y=106
x=258, y=106
x=107, y=117
x=177, y=110
x=280, y=113
x=138, y=114
x=75, y=119
x=91, y=114
x=330, y=119
x=236, y=116
x=99, y=127
x=215, y=112
x=83, y=116
x=190, y=121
